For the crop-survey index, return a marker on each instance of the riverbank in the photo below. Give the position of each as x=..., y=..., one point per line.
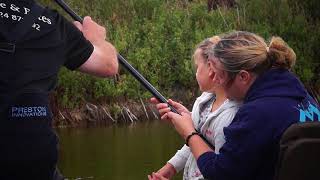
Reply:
x=121, y=111
x=93, y=114
x=114, y=111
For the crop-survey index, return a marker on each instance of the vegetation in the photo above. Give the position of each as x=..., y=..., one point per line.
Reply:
x=158, y=38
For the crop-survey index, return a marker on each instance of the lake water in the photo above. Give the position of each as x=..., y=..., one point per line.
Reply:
x=126, y=152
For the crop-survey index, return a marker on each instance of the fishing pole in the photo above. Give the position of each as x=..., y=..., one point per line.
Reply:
x=123, y=61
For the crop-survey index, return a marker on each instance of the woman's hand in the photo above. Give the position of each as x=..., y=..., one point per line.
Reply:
x=184, y=126
x=182, y=123
x=156, y=176
x=163, y=108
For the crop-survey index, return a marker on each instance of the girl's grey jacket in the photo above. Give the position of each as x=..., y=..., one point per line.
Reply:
x=210, y=124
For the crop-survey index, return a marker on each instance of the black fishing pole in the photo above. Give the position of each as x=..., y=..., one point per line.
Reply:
x=122, y=61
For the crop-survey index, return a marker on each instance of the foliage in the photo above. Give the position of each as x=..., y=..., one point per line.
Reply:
x=158, y=38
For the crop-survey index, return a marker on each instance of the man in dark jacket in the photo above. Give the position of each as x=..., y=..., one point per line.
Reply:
x=35, y=42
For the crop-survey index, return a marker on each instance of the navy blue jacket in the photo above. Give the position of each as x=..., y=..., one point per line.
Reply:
x=276, y=100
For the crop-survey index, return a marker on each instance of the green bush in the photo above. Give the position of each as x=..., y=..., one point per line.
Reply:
x=158, y=38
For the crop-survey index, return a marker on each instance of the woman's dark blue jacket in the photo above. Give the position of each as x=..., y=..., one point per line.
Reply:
x=275, y=101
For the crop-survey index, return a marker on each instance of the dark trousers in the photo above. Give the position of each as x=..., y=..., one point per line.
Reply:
x=28, y=158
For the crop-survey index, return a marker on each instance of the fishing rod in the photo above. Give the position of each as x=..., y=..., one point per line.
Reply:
x=123, y=61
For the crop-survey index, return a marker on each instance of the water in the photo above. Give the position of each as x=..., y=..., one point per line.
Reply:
x=128, y=152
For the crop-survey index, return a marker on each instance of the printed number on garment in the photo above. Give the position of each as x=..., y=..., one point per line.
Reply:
x=14, y=13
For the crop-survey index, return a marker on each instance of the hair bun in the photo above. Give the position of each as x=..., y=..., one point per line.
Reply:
x=215, y=39
x=280, y=54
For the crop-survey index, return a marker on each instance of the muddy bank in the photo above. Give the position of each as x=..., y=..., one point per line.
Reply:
x=114, y=111
x=122, y=111
x=98, y=114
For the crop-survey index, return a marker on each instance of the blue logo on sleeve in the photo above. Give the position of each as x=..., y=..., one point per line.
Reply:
x=311, y=112
x=38, y=111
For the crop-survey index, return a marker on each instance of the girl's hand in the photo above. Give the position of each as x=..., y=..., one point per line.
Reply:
x=167, y=171
x=156, y=176
x=182, y=123
x=163, y=108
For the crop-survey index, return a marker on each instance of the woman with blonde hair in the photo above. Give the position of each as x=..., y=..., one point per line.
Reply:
x=259, y=75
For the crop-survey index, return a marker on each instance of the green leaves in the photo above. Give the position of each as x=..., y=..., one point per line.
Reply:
x=158, y=38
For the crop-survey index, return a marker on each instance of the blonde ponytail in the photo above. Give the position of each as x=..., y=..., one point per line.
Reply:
x=280, y=54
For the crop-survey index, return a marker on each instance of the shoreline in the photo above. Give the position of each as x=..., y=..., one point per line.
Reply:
x=94, y=114
x=118, y=111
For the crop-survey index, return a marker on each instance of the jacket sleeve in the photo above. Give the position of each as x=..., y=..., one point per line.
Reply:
x=178, y=161
x=246, y=142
